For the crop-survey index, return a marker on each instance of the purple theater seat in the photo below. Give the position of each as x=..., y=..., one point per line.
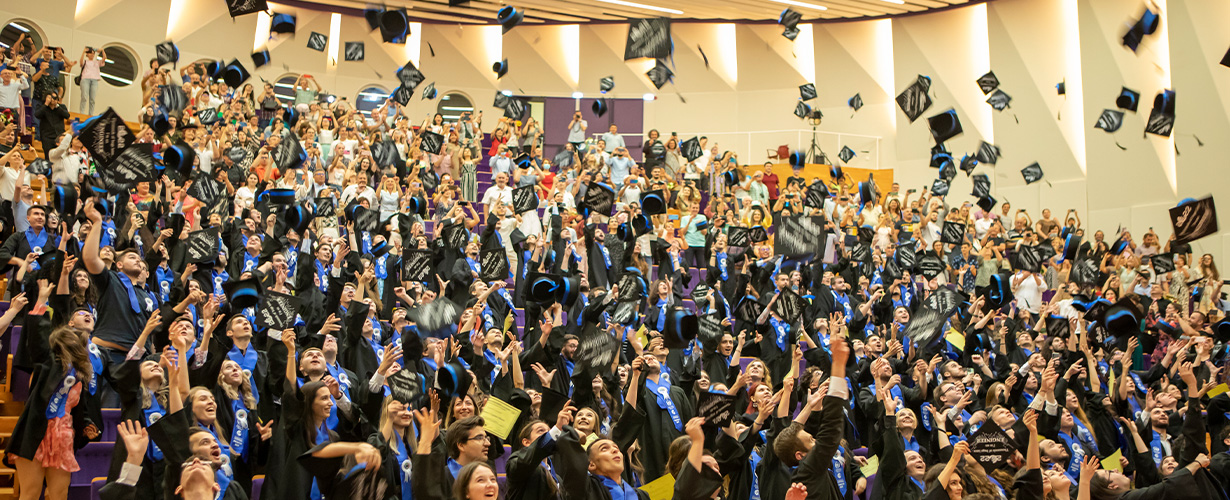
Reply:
x=94, y=460
x=257, y=483
x=95, y=486
x=111, y=419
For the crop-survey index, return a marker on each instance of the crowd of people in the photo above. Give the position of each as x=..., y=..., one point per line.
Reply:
x=334, y=320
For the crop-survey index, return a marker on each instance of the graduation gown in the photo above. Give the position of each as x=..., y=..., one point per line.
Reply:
x=572, y=467
x=285, y=477
x=18, y=245
x=170, y=434
x=814, y=470
x=527, y=478
x=659, y=429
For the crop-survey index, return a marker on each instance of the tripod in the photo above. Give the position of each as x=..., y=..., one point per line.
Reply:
x=814, y=153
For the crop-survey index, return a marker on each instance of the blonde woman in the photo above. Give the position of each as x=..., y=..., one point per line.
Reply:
x=388, y=197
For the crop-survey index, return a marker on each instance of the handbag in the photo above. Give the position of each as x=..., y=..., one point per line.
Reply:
x=77, y=80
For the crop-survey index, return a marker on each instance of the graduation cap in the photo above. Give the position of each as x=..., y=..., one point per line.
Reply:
x=243, y=7
x=866, y=234
x=508, y=17
x=681, y=328
x=407, y=386
x=997, y=292
x=691, y=149
x=493, y=264
x=944, y=126
x=500, y=68
x=1122, y=318
x=846, y=154
x=166, y=52
x=790, y=22
x=410, y=76
x=914, y=100
x=757, y=234
x=215, y=69
x=599, y=198
x=235, y=74
x=401, y=95
x=453, y=381
x=930, y=266
x=801, y=109
x=906, y=256
x=817, y=192
x=952, y=233
x=982, y=186
x=365, y=219
x=606, y=84
x=988, y=82
x=1057, y=326
x=1032, y=173
x=318, y=41
x=394, y=26
x=64, y=201
x=1163, y=263
x=353, y=51
x=940, y=156
x=855, y=102
x=797, y=159
x=1161, y=118
x=418, y=205
x=429, y=91
x=599, y=107
x=653, y=203
x=926, y=326
x=987, y=153
x=1110, y=120
x=551, y=288
x=431, y=142
x=1071, y=245
x=524, y=199
x=1146, y=25
x=299, y=218
x=789, y=305
x=807, y=91
x=940, y=187
x=179, y=158
x=748, y=309
x=868, y=192
x=282, y=23
x=1028, y=258
x=513, y=107
x=659, y=74
x=737, y=236
x=986, y=203
x=634, y=228
x=260, y=58
x=243, y=294
x=999, y=100
x=1128, y=99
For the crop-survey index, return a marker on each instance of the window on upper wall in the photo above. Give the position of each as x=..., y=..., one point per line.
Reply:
x=370, y=98
x=14, y=30
x=453, y=104
x=285, y=89
x=121, y=65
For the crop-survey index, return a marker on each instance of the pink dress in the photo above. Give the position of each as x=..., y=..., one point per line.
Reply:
x=56, y=451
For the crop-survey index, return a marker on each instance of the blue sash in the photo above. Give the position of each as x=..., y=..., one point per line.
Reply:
x=661, y=325
x=382, y=269
x=721, y=262
x=239, y=431
x=250, y=262
x=473, y=265
x=292, y=261
x=403, y=461
x=58, y=405
x=1156, y=448
x=96, y=367
x=606, y=256
x=151, y=415
x=839, y=470
x=223, y=476
x=1076, y=454
x=845, y=304
x=322, y=272
x=755, y=493
x=925, y=415
x=132, y=295
x=165, y=277
x=781, y=330
x=662, y=392
x=495, y=364
x=322, y=436
x=219, y=279
x=247, y=363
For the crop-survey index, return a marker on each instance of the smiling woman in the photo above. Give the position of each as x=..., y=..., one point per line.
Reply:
x=121, y=65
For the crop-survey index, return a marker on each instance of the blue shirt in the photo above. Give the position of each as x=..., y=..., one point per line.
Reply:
x=620, y=167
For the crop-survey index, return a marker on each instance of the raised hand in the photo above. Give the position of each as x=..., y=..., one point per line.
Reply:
x=135, y=439
x=694, y=430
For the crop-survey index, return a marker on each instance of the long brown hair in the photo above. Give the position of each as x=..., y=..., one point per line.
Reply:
x=68, y=345
x=244, y=389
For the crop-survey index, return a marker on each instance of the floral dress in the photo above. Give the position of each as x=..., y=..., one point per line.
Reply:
x=56, y=450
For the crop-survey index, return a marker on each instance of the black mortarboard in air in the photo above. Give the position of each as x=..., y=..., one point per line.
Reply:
x=453, y=380
x=999, y=100
x=653, y=202
x=797, y=159
x=987, y=153
x=1110, y=120
x=691, y=149
x=817, y=192
x=179, y=157
x=738, y=236
x=1122, y=318
x=243, y=294
x=235, y=74
x=1146, y=25
x=318, y=41
x=659, y=74
x=500, y=68
x=952, y=233
x=1225, y=61
x=299, y=218
x=855, y=102
x=1071, y=244
x=353, y=51
x=790, y=23
x=1028, y=258
x=260, y=58
x=939, y=187
x=1032, y=173
x=598, y=198
x=807, y=91
x=944, y=126
x=986, y=203
x=410, y=76
x=64, y=201
x=401, y=95
x=634, y=228
x=801, y=109
x=394, y=26
x=846, y=154
x=429, y=92
x=167, y=52
x=508, y=17
x=968, y=163
x=1128, y=99
x=988, y=82
x=282, y=23
x=1057, y=326
x=982, y=186
x=1163, y=263
x=681, y=328
x=1161, y=118
x=606, y=84
x=524, y=199
x=599, y=107
x=238, y=8
x=914, y=100
x=1061, y=88
x=998, y=292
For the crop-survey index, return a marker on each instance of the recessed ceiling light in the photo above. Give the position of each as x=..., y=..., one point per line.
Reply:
x=643, y=6
x=802, y=4
x=898, y=2
x=577, y=95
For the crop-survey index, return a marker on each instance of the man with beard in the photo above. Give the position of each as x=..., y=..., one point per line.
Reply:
x=195, y=478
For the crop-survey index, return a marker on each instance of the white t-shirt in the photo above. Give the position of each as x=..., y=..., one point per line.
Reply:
x=494, y=192
x=8, y=182
x=1029, y=293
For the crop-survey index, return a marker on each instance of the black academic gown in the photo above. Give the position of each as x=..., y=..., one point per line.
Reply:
x=17, y=245
x=285, y=477
x=814, y=471
x=528, y=479
x=575, y=478
x=599, y=272
x=659, y=429
x=170, y=434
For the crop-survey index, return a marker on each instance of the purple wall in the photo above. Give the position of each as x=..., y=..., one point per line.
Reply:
x=627, y=114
